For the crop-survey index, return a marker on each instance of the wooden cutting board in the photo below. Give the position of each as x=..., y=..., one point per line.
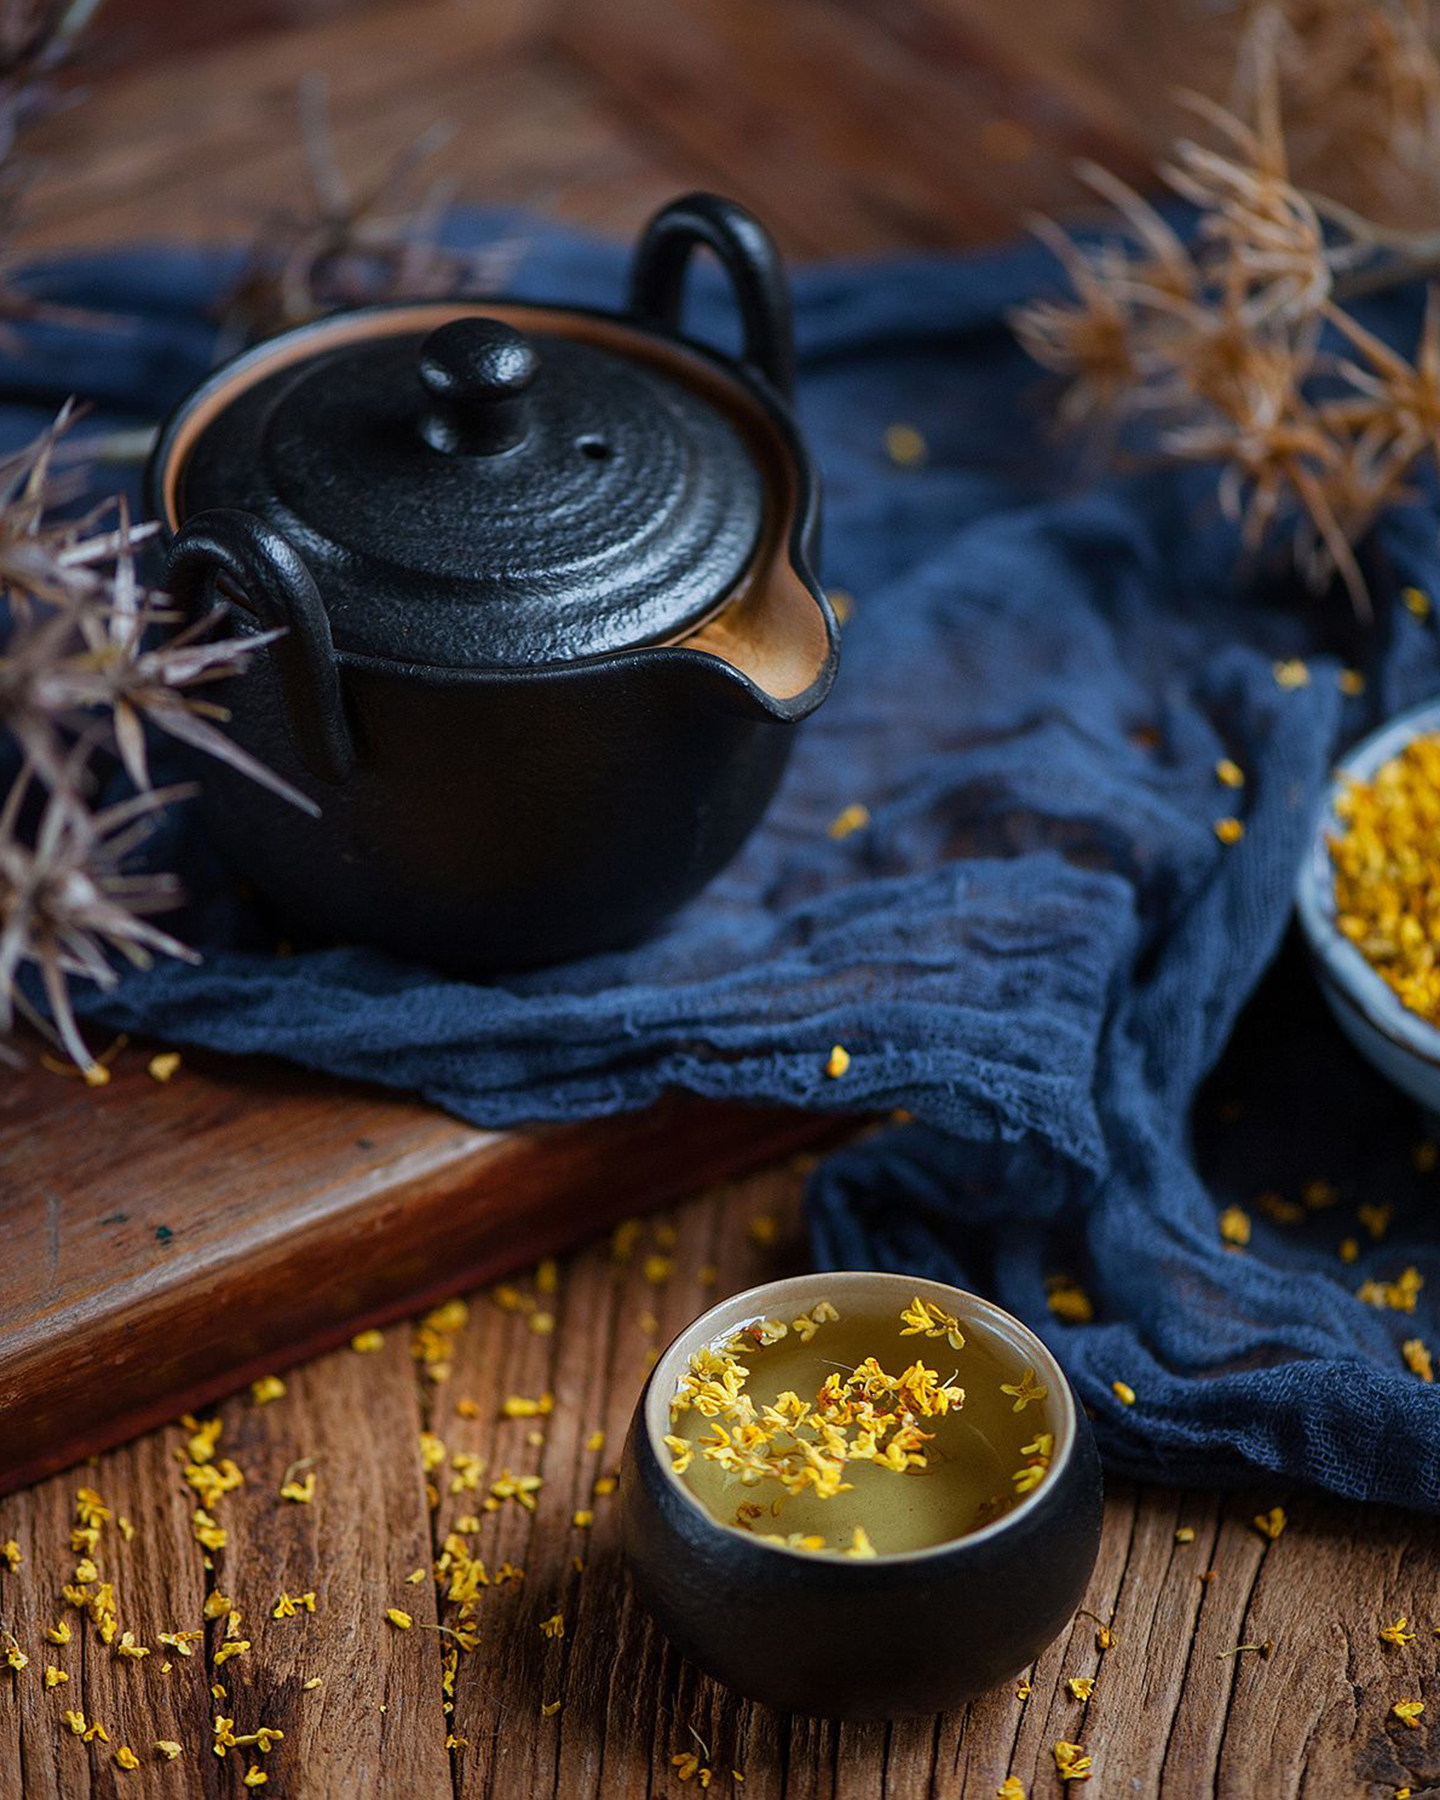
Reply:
x=164, y=1243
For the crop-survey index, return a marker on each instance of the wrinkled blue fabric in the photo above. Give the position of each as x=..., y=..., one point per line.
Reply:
x=1037, y=946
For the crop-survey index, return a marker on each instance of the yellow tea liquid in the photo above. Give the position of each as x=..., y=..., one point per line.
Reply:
x=970, y=1461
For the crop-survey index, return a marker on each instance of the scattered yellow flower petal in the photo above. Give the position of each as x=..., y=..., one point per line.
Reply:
x=549, y=1708
x=1229, y=830
x=553, y=1627
x=850, y=819
x=255, y=1776
x=1235, y=1225
x=1068, y=1300
x=368, y=1342
x=1270, y=1524
x=1291, y=673
x=1399, y=1295
x=837, y=1062
x=1229, y=774
x=54, y=1676
x=163, y=1064
x=584, y=1517
x=764, y=1230
x=1011, y=1788
x=1398, y=1634
x=1279, y=1209
x=1418, y=1359
x=168, y=1748
x=905, y=446
x=1072, y=1762
x=400, y=1620
x=1184, y=1534
x=126, y=1757
x=76, y=1722
x=266, y=1389
x=1123, y=1392
x=1081, y=1686
x=1348, y=1250
x=1375, y=1218
x=10, y=1554
x=1416, y=602
x=208, y=1531
x=1409, y=1711
x=687, y=1765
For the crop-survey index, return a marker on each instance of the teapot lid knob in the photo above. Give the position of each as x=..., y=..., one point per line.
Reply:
x=476, y=372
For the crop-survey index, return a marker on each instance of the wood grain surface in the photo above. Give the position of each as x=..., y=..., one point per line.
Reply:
x=163, y=1248
x=1173, y=1712
x=854, y=125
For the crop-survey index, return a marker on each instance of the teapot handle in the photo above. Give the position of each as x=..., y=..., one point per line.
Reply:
x=272, y=584
x=750, y=259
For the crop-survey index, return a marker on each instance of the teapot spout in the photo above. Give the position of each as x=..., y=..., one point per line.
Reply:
x=778, y=637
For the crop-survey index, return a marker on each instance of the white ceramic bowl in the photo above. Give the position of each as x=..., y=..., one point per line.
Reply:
x=1402, y=1045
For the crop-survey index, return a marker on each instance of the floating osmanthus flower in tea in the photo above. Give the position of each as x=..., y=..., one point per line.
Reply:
x=865, y=1435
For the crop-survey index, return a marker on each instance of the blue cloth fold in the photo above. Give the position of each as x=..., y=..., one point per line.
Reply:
x=1036, y=946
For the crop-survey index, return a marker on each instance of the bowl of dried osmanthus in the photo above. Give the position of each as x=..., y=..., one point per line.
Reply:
x=1368, y=899
x=860, y=1495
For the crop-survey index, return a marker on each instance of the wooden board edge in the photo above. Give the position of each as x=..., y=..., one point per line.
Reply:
x=611, y=1169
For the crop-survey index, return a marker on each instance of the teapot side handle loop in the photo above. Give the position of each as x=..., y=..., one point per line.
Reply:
x=271, y=583
x=750, y=259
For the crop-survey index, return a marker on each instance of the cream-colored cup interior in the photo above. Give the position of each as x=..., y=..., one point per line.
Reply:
x=978, y=1448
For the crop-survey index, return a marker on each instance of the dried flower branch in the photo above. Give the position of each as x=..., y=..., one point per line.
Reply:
x=1215, y=347
x=1361, y=82
x=66, y=900
x=92, y=658
x=356, y=246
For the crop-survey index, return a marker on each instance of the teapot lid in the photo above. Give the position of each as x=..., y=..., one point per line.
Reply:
x=477, y=494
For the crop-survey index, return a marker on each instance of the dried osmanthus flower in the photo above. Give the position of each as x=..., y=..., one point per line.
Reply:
x=90, y=659
x=356, y=246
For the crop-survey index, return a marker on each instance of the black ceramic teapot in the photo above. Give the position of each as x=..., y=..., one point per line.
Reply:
x=546, y=581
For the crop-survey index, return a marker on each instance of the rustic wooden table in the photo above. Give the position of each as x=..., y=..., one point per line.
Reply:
x=853, y=126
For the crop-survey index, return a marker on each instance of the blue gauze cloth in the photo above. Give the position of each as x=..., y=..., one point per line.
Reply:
x=1036, y=946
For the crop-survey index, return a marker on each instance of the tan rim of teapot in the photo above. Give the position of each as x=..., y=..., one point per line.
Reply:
x=768, y=627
